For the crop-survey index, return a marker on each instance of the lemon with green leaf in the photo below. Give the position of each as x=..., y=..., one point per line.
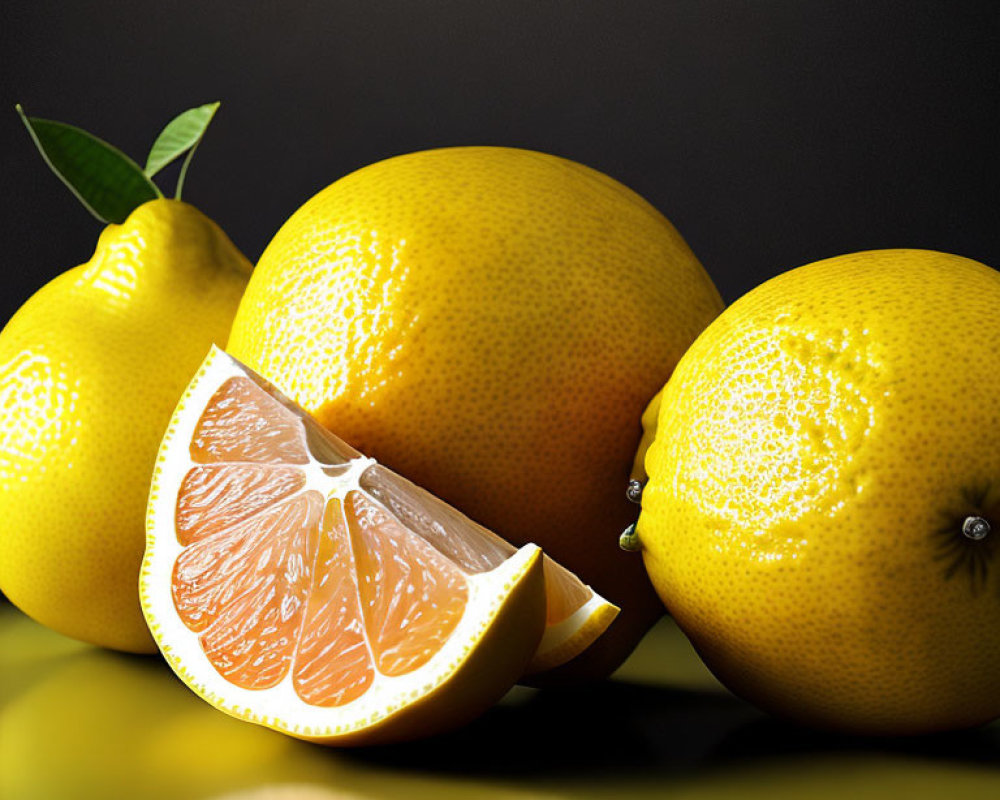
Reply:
x=91, y=367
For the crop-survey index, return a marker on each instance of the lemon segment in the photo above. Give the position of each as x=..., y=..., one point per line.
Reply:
x=454, y=677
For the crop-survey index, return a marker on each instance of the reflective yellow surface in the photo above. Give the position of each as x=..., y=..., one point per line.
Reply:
x=79, y=722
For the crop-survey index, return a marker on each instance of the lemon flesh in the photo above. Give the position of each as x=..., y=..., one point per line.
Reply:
x=292, y=582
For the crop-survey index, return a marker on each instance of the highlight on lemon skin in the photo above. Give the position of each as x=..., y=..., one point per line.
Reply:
x=824, y=494
x=291, y=581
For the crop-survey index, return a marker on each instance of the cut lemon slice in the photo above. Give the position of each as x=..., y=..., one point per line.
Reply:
x=295, y=583
x=292, y=582
x=575, y=614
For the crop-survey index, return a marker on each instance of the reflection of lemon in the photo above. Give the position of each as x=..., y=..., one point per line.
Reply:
x=108, y=725
x=826, y=461
x=489, y=322
x=114, y=726
x=375, y=786
x=90, y=369
x=28, y=652
x=292, y=791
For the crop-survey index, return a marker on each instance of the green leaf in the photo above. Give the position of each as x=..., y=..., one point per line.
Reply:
x=182, y=134
x=108, y=183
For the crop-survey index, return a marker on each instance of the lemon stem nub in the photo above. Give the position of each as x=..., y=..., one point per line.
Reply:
x=634, y=491
x=629, y=540
x=976, y=528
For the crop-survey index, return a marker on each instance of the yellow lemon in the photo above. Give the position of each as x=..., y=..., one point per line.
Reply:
x=90, y=370
x=823, y=508
x=489, y=322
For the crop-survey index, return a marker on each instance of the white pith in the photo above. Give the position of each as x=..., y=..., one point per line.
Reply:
x=556, y=635
x=281, y=707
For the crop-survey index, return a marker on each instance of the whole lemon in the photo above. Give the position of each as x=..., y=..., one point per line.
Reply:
x=822, y=516
x=90, y=370
x=489, y=322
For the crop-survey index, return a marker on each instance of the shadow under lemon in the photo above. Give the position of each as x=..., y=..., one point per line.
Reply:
x=28, y=651
x=102, y=724
x=665, y=723
x=108, y=725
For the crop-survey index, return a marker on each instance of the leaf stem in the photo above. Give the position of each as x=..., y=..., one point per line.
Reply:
x=184, y=168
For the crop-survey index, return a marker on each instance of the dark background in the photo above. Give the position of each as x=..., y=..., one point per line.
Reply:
x=771, y=133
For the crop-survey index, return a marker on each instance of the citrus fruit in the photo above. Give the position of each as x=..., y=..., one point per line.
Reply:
x=293, y=582
x=489, y=322
x=91, y=367
x=823, y=505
